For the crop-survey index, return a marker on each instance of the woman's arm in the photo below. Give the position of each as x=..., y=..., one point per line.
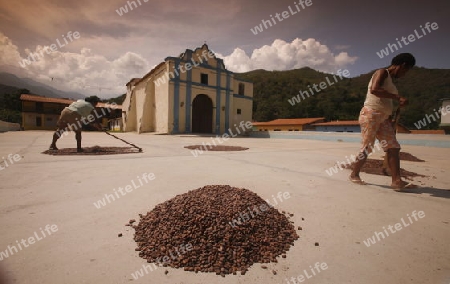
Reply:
x=377, y=84
x=379, y=91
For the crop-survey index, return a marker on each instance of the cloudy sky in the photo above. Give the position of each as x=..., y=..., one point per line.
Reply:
x=111, y=49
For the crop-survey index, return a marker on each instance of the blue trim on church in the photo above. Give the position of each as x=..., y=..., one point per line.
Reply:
x=188, y=104
x=218, y=108
x=227, y=103
x=176, y=100
x=242, y=97
x=202, y=85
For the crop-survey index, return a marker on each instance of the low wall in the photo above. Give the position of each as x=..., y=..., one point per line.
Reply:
x=8, y=126
x=429, y=140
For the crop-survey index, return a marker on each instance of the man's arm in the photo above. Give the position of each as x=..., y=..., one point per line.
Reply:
x=95, y=123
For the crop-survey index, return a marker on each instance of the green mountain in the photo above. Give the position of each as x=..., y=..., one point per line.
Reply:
x=341, y=99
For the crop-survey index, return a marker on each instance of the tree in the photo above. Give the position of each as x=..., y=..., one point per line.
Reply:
x=11, y=106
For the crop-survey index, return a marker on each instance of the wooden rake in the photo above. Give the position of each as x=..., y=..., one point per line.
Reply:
x=131, y=144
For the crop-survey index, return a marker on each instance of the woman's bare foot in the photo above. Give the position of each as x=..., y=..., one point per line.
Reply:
x=399, y=185
x=53, y=147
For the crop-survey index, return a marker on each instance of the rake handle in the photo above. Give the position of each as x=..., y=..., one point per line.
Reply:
x=140, y=149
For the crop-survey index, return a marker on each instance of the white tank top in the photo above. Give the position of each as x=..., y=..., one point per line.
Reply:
x=82, y=107
x=383, y=105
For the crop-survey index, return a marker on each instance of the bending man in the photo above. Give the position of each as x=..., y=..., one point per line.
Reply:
x=73, y=117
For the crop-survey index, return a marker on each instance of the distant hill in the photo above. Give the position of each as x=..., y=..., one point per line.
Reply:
x=341, y=100
x=10, y=80
x=274, y=92
x=118, y=100
x=4, y=89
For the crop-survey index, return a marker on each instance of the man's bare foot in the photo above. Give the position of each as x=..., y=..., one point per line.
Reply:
x=53, y=147
x=357, y=180
x=398, y=186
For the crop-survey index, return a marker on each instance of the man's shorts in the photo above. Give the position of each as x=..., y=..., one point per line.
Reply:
x=376, y=125
x=69, y=119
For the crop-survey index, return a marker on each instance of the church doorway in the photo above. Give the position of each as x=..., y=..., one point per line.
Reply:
x=202, y=114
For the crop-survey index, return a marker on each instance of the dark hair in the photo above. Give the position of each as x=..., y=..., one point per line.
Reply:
x=92, y=100
x=404, y=58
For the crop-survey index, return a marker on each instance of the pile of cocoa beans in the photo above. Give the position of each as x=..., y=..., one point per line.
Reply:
x=216, y=228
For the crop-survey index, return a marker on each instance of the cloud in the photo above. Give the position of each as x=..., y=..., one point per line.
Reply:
x=89, y=72
x=282, y=55
x=9, y=53
x=84, y=72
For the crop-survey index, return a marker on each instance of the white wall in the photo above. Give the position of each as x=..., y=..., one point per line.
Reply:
x=446, y=110
x=129, y=111
x=139, y=96
x=162, y=93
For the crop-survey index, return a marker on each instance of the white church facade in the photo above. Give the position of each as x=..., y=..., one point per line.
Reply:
x=192, y=93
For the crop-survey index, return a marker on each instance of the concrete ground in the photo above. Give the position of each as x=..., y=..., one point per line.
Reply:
x=40, y=190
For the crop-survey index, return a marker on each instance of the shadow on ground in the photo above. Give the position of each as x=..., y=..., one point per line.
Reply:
x=96, y=150
x=432, y=191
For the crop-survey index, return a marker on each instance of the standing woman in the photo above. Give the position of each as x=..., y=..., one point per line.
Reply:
x=375, y=122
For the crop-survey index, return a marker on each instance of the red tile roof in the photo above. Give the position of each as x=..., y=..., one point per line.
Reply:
x=338, y=123
x=440, y=131
x=290, y=121
x=36, y=98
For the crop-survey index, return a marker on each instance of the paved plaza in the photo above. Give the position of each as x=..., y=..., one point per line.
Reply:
x=49, y=201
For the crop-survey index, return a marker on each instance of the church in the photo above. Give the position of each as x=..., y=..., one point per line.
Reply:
x=191, y=93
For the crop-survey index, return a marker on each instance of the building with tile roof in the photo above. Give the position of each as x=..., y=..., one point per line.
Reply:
x=287, y=124
x=42, y=113
x=338, y=126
